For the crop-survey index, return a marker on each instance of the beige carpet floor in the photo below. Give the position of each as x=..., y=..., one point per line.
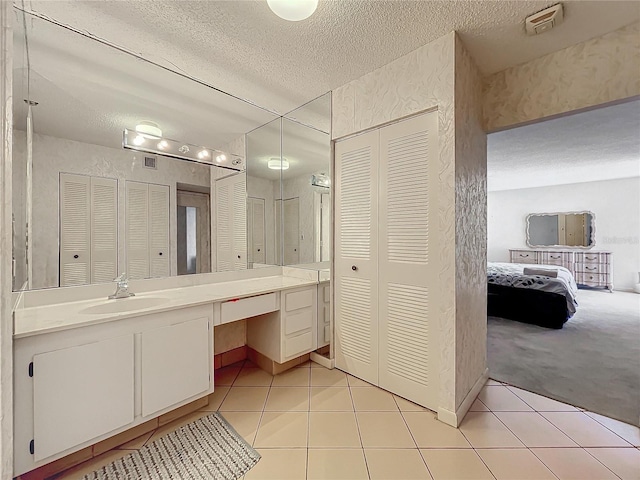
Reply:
x=593, y=362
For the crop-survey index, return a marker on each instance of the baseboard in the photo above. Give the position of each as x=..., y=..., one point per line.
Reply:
x=455, y=418
x=322, y=360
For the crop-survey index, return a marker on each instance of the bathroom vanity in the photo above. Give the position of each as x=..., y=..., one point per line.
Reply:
x=87, y=370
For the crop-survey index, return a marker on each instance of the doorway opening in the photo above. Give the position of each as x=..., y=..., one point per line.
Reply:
x=194, y=231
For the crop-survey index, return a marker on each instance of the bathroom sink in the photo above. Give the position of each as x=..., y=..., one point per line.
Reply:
x=125, y=305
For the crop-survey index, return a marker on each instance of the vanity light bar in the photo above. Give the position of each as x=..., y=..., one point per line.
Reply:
x=166, y=147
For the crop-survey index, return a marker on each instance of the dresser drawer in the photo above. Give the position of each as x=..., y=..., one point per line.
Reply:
x=524, y=256
x=586, y=257
x=592, y=268
x=557, y=258
x=591, y=279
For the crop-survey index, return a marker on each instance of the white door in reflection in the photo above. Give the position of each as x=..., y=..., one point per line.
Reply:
x=194, y=251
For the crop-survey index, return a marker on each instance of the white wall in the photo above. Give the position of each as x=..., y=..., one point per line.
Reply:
x=53, y=155
x=615, y=203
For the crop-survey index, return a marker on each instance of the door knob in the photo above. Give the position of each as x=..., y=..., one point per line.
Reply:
x=76, y=256
x=354, y=268
x=160, y=253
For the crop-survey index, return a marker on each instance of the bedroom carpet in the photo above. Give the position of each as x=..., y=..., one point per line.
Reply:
x=593, y=362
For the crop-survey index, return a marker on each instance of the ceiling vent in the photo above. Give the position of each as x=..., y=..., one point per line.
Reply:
x=150, y=162
x=545, y=20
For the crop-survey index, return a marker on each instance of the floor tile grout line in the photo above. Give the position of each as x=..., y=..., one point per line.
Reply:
x=612, y=431
x=549, y=421
x=485, y=464
x=366, y=463
x=598, y=460
x=543, y=463
x=413, y=438
x=585, y=446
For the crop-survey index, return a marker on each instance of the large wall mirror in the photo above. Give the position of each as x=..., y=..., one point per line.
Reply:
x=288, y=189
x=563, y=229
x=85, y=208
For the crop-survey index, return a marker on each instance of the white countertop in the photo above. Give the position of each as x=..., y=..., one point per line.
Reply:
x=63, y=316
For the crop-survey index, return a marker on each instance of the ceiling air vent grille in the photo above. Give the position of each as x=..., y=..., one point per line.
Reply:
x=150, y=162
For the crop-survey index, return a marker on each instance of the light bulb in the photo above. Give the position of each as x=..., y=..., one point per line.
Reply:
x=139, y=140
x=203, y=154
x=163, y=144
x=293, y=10
x=223, y=157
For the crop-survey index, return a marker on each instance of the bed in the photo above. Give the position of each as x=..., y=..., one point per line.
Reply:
x=536, y=299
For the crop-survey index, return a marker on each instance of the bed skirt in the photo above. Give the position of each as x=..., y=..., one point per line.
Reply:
x=544, y=309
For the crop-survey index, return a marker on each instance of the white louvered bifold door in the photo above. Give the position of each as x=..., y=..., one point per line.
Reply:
x=256, y=230
x=231, y=223
x=356, y=253
x=408, y=225
x=158, y=231
x=223, y=226
x=75, y=230
x=104, y=229
x=239, y=221
x=137, y=230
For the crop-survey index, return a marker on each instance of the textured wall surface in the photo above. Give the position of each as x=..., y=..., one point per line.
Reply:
x=615, y=203
x=418, y=81
x=594, y=72
x=53, y=155
x=471, y=225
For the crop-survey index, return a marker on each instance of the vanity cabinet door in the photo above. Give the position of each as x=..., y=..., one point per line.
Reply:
x=80, y=393
x=176, y=364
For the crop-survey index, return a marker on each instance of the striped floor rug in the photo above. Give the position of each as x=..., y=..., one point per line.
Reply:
x=208, y=448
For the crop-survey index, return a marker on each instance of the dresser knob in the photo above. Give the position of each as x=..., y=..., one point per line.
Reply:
x=354, y=268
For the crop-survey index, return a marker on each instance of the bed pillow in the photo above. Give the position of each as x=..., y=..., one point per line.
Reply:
x=541, y=271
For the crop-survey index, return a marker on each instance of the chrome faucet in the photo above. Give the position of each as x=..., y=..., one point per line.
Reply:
x=122, y=287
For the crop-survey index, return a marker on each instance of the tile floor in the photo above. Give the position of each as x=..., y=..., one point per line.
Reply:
x=315, y=423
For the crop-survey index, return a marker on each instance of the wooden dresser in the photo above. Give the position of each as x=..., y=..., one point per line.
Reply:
x=590, y=268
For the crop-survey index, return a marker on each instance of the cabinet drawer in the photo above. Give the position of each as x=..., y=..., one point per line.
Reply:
x=524, y=256
x=299, y=299
x=590, y=279
x=298, y=345
x=248, y=307
x=592, y=267
x=298, y=321
x=586, y=257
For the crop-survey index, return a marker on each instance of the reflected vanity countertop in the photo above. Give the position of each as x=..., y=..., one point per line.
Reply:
x=62, y=316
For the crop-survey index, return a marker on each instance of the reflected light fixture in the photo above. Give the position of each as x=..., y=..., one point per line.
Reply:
x=137, y=140
x=149, y=129
x=277, y=164
x=293, y=10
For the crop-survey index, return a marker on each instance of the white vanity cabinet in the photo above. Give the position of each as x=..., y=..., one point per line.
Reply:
x=76, y=387
x=324, y=314
x=78, y=395
x=289, y=332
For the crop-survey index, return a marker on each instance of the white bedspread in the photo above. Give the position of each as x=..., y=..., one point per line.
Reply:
x=511, y=275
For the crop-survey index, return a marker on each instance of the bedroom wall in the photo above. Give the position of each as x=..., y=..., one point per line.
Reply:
x=615, y=203
x=601, y=70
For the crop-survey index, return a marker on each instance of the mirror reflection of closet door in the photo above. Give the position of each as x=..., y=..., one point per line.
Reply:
x=194, y=233
x=325, y=227
x=256, y=233
x=291, y=232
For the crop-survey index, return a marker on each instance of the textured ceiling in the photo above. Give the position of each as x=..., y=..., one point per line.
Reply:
x=243, y=48
x=600, y=144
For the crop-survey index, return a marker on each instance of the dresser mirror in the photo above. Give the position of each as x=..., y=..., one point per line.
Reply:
x=85, y=209
x=563, y=229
